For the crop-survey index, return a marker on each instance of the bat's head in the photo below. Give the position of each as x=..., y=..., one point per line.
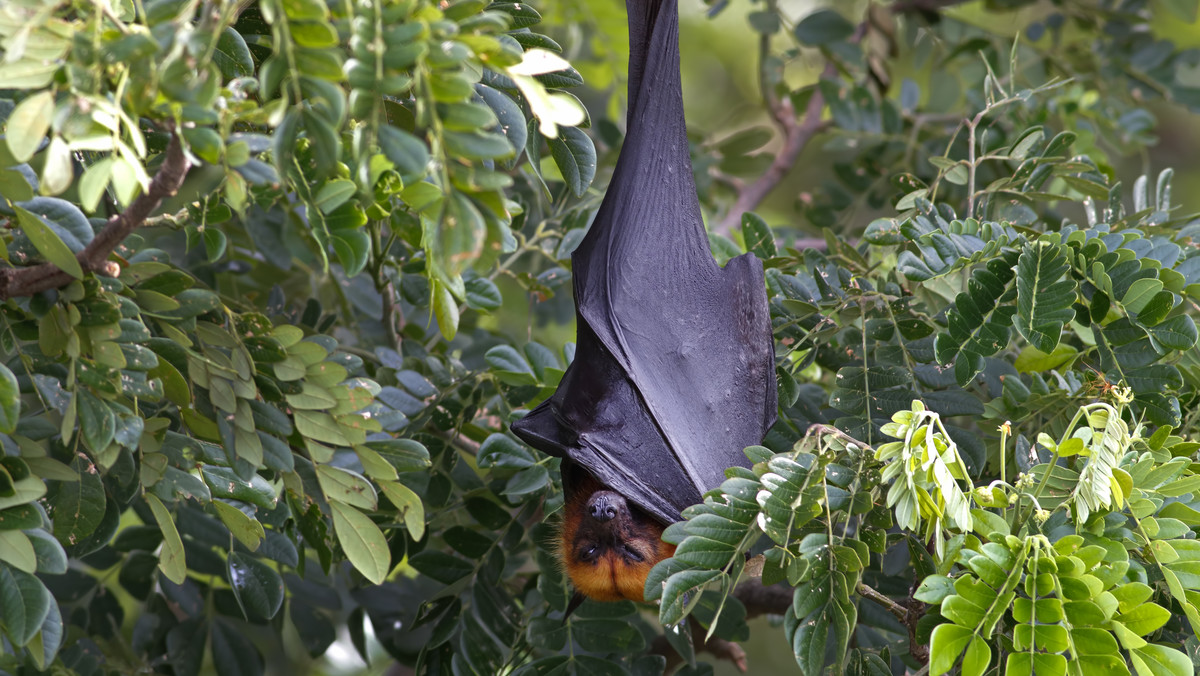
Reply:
x=607, y=545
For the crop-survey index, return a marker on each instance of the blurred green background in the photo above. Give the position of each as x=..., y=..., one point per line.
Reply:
x=723, y=97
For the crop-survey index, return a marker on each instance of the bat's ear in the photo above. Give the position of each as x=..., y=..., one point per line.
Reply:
x=577, y=600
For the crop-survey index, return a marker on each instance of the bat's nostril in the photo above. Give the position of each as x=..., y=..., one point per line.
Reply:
x=603, y=507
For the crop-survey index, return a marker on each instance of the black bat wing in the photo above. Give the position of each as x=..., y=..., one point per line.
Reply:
x=674, y=367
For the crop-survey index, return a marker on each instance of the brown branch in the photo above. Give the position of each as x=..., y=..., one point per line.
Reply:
x=763, y=600
x=718, y=647
x=393, y=318
x=899, y=611
x=796, y=135
x=915, y=611
x=19, y=282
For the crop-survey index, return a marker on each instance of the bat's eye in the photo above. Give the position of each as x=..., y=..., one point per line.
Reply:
x=589, y=553
x=632, y=554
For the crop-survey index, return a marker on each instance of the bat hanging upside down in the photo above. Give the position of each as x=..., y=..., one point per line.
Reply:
x=606, y=544
x=674, y=369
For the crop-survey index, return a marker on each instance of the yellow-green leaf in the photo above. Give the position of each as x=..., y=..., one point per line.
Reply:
x=248, y=531
x=346, y=486
x=28, y=124
x=170, y=560
x=17, y=551
x=409, y=503
x=47, y=243
x=362, y=541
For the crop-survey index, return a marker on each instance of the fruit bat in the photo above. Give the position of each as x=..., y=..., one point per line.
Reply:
x=674, y=364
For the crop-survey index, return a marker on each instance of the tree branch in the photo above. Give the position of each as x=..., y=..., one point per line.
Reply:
x=899, y=611
x=796, y=135
x=762, y=600
x=718, y=647
x=915, y=611
x=18, y=282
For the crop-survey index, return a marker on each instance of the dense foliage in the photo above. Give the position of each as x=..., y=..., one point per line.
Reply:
x=274, y=270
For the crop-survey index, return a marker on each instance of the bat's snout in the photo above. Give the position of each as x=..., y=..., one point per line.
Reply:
x=604, y=506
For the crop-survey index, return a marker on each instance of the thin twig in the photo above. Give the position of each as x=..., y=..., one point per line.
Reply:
x=892, y=607
x=392, y=316
x=763, y=600
x=796, y=136
x=914, y=612
x=718, y=647
x=19, y=282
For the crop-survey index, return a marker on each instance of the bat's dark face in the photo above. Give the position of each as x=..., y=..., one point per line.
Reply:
x=608, y=546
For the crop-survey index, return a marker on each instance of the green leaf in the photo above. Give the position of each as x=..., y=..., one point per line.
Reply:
x=225, y=483
x=1176, y=333
x=823, y=27
x=977, y=657
x=362, y=541
x=406, y=151
x=512, y=120
x=522, y=14
x=946, y=644
x=346, y=486
x=1033, y=360
x=48, y=243
x=1184, y=10
x=409, y=504
x=758, y=236
x=827, y=595
x=234, y=654
x=1035, y=664
x=44, y=645
x=96, y=421
x=24, y=604
x=10, y=401
x=334, y=194
x=483, y=294
x=460, y=235
x=934, y=589
x=884, y=231
x=575, y=155
x=247, y=530
x=28, y=74
x=1044, y=298
x=171, y=559
x=258, y=588
x=17, y=551
x=353, y=249
x=1140, y=293
x=746, y=140
x=446, y=310
x=527, y=481
x=1159, y=660
x=79, y=505
x=478, y=145
x=28, y=123
x=682, y=588
x=51, y=557
x=25, y=490
x=21, y=517
x=406, y=455
x=1145, y=618
x=510, y=366
x=232, y=56
x=1025, y=142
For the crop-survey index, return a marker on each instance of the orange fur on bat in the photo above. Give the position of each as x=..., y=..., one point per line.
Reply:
x=609, y=561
